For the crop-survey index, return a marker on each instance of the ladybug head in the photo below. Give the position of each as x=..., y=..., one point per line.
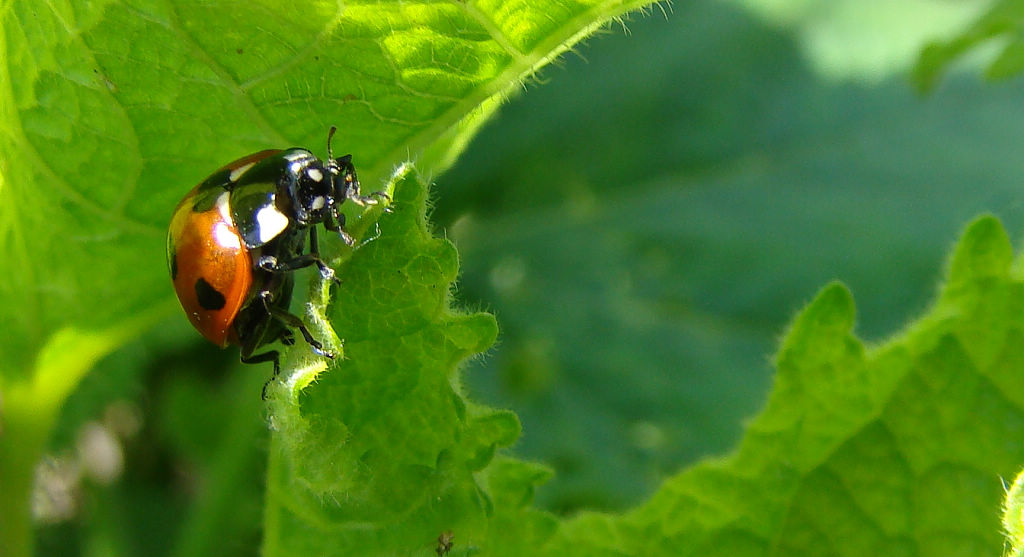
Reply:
x=319, y=189
x=344, y=183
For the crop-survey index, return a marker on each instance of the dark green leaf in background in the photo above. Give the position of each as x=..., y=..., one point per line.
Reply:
x=894, y=450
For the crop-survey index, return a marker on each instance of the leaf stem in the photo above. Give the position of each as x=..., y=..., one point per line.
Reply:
x=26, y=425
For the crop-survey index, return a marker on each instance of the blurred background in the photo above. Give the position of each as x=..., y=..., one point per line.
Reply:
x=644, y=221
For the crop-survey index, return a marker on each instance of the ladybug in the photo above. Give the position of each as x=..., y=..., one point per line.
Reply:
x=236, y=238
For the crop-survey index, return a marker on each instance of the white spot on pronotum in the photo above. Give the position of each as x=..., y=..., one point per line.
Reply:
x=315, y=174
x=226, y=237
x=318, y=202
x=237, y=173
x=271, y=222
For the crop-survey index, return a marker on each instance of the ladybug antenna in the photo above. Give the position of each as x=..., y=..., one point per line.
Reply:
x=330, y=136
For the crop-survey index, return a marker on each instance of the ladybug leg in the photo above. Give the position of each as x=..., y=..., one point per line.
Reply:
x=286, y=338
x=353, y=194
x=294, y=322
x=336, y=223
x=363, y=200
x=272, y=356
x=339, y=227
x=271, y=263
x=314, y=251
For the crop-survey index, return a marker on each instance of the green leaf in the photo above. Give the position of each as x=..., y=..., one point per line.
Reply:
x=381, y=450
x=110, y=111
x=891, y=450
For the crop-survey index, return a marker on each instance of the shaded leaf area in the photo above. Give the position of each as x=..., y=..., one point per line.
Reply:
x=643, y=263
x=192, y=434
x=895, y=450
x=1001, y=25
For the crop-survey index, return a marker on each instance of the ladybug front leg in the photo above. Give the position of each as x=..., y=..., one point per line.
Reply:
x=374, y=198
x=352, y=194
x=336, y=223
x=272, y=264
x=339, y=226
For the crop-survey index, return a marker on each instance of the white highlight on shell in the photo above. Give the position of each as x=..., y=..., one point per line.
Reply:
x=237, y=173
x=223, y=232
x=271, y=222
x=315, y=174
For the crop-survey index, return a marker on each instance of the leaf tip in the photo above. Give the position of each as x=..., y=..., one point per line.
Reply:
x=833, y=307
x=830, y=315
x=984, y=251
x=482, y=331
x=929, y=68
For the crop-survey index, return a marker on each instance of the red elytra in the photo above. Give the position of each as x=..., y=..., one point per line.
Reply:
x=210, y=266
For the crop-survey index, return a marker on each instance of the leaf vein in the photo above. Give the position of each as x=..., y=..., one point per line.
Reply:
x=300, y=55
x=244, y=101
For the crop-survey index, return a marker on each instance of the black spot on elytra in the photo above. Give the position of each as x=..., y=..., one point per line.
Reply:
x=174, y=265
x=208, y=296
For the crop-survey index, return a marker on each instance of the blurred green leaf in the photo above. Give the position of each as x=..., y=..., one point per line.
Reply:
x=643, y=264
x=1003, y=20
x=865, y=40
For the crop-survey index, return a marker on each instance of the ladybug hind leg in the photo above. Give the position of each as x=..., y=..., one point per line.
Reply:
x=271, y=356
x=292, y=321
x=286, y=337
